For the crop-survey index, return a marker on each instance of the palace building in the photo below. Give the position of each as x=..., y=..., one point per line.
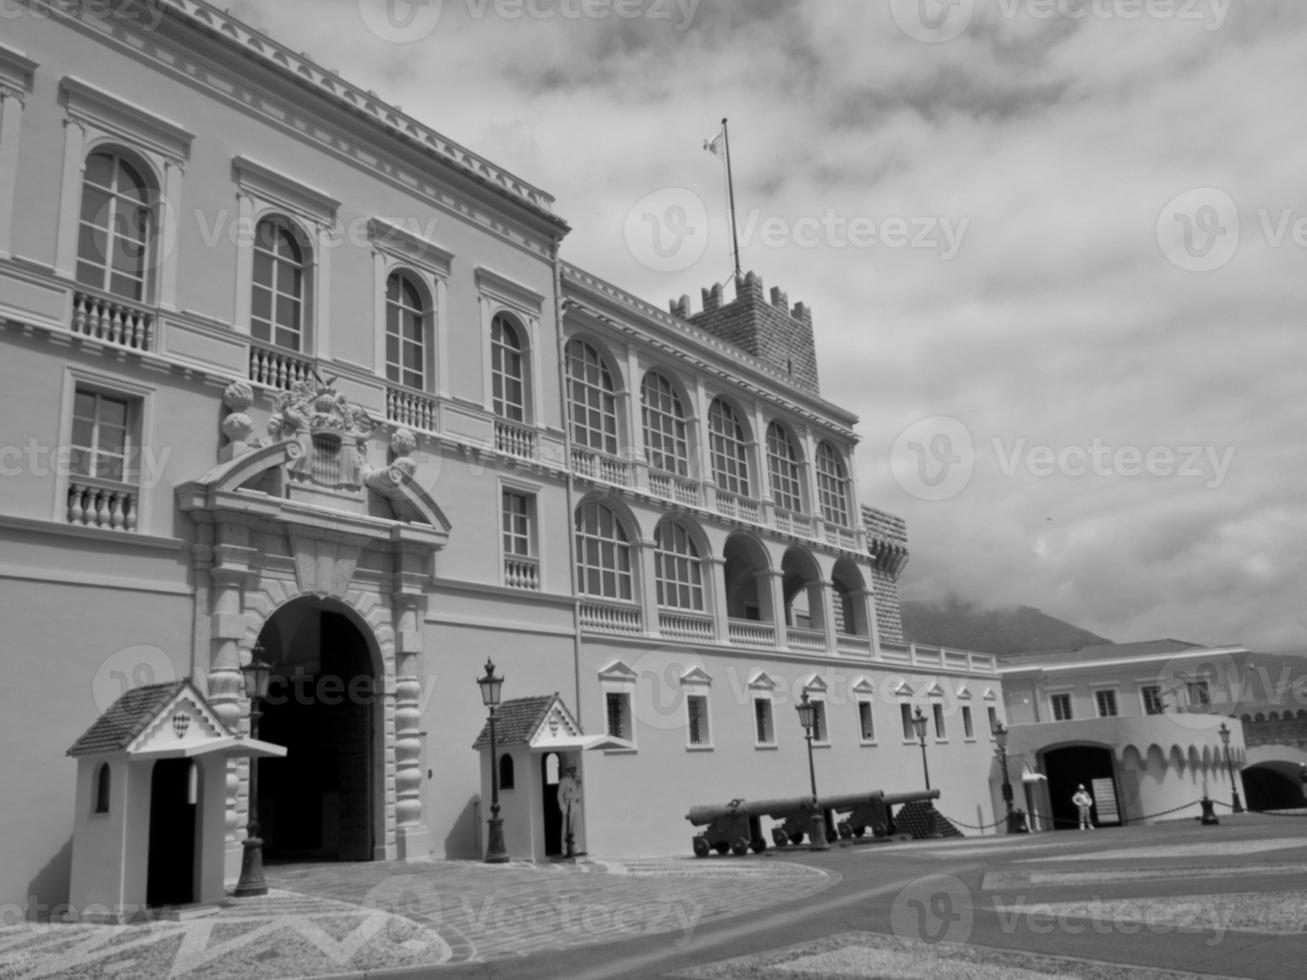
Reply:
x=286, y=370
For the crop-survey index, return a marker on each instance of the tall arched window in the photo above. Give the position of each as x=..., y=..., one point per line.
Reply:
x=832, y=485
x=406, y=332
x=678, y=568
x=116, y=230
x=280, y=271
x=666, y=445
x=591, y=399
x=730, y=455
x=603, y=553
x=783, y=468
x=508, y=368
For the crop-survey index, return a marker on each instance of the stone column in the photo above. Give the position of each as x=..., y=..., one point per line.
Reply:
x=11, y=115
x=714, y=567
x=646, y=584
x=411, y=833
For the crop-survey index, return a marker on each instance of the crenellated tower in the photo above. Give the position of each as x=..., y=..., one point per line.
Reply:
x=765, y=326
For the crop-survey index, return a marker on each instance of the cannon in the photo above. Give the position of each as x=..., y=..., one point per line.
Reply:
x=854, y=813
x=737, y=826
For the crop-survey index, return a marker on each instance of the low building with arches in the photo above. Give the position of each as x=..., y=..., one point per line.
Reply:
x=1138, y=724
x=257, y=413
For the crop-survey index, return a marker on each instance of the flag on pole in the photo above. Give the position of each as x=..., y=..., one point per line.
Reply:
x=714, y=145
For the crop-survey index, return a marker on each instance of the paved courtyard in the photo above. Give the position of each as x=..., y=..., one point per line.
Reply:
x=1168, y=902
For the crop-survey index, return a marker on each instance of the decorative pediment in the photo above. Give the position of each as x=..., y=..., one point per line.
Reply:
x=989, y=694
x=556, y=724
x=935, y=690
x=762, y=682
x=963, y=694
x=863, y=686
x=903, y=690
x=815, y=684
x=696, y=676
x=185, y=721
x=618, y=672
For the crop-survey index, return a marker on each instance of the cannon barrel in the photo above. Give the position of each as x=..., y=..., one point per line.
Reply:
x=700, y=815
x=894, y=799
x=849, y=800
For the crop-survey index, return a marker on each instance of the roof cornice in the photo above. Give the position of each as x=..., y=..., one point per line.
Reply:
x=678, y=339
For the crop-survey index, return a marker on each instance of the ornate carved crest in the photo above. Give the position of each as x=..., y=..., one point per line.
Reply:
x=332, y=432
x=181, y=723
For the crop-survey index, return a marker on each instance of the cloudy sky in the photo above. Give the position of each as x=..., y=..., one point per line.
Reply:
x=1055, y=251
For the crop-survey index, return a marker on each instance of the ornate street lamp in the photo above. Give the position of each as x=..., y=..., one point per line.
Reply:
x=1000, y=741
x=919, y=723
x=491, y=685
x=1236, y=804
x=808, y=719
x=256, y=674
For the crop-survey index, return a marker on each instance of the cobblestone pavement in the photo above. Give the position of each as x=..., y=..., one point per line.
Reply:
x=323, y=919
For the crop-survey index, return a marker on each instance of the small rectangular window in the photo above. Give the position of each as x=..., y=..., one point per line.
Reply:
x=967, y=730
x=1200, y=695
x=866, y=722
x=103, y=460
x=619, y=714
x=1152, y=697
x=819, y=732
x=993, y=717
x=1061, y=707
x=938, y=711
x=1106, y=702
x=909, y=731
x=764, y=733
x=696, y=707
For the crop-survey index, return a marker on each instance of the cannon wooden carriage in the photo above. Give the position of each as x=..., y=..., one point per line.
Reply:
x=854, y=814
x=737, y=826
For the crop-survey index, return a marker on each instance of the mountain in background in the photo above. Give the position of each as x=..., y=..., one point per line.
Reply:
x=963, y=626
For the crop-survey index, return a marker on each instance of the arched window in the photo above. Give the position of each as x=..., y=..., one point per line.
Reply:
x=277, y=303
x=508, y=368
x=116, y=231
x=603, y=553
x=666, y=446
x=406, y=332
x=730, y=455
x=678, y=568
x=783, y=467
x=505, y=771
x=102, y=788
x=591, y=399
x=832, y=485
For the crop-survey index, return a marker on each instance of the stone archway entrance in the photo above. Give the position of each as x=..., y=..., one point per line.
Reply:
x=323, y=704
x=1072, y=765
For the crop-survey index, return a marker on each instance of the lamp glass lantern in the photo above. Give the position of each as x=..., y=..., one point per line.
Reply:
x=1000, y=736
x=1224, y=732
x=919, y=723
x=491, y=686
x=256, y=673
x=807, y=712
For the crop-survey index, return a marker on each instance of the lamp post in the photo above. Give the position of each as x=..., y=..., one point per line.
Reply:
x=491, y=685
x=919, y=723
x=817, y=832
x=1000, y=740
x=256, y=674
x=1236, y=804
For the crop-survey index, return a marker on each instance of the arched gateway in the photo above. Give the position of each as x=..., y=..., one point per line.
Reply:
x=303, y=546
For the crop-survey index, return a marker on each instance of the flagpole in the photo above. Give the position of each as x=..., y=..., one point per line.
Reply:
x=730, y=185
